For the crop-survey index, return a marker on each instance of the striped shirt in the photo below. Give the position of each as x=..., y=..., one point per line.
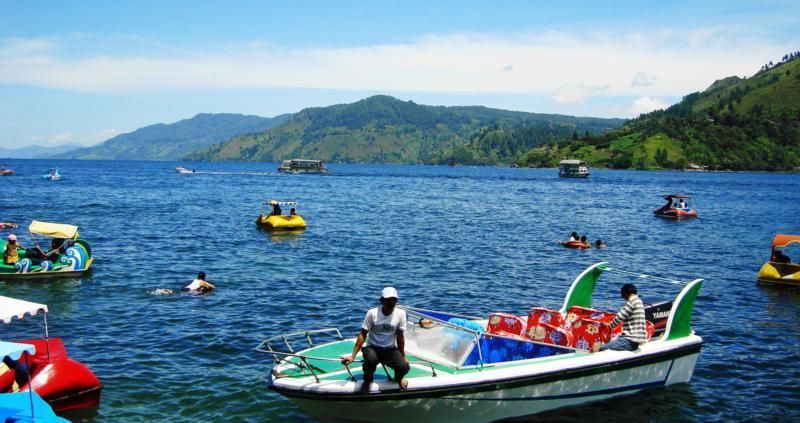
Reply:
x=631, y=315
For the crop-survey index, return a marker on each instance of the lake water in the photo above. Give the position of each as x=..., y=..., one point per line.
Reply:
x=466, y=239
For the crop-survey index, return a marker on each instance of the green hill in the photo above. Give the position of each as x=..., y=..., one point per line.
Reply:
x=384, y=129
x=738, y=124
x=173, y=141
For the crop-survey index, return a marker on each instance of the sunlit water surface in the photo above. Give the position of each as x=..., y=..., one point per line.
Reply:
x=466, y=239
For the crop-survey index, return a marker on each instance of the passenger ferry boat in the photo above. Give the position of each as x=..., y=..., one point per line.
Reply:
x=302, y=166
x=472, y=369
x=572, y=168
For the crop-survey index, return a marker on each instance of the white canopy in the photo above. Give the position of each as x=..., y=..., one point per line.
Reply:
x=11, y=307
x=15, y=350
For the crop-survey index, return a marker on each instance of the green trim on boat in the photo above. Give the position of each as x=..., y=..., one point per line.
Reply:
x=580, y=293
x=680, y=319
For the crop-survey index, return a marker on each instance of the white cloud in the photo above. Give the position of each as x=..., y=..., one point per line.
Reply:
x=545, y=63
x=62, y=137
x=576, y=93
x=645, y=105
x=641, y=79
x=106, y=134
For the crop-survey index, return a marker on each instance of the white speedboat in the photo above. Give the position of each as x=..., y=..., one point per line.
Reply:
x=52, y=175
x=181, y=169
x=506, y=370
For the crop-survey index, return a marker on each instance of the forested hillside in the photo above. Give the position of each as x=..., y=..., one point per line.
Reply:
x=383, y=129
x=175, y=140
x=738, y=124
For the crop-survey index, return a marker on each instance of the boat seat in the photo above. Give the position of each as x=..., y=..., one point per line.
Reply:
x=544, y=315
x=590, y=334
x=650, y=327
x=549, y=334
x=505, y=324
x=575, y=312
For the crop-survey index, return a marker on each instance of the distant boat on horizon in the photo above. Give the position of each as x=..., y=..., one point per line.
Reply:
x=573, y=168
x=302, y=166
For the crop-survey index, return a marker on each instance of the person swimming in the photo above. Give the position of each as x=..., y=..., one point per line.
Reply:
x=199, y=285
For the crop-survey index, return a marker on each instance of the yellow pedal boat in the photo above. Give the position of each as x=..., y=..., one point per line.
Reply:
x=276, y=220
x=780, y=270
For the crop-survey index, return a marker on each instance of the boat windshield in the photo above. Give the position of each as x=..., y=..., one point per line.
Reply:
x=438, y=342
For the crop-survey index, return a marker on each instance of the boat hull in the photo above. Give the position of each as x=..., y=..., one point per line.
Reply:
x=780, y=274
x=499, y=396
x=64, y=383
x=75, y=262
x=281, y=223
x=675, y=213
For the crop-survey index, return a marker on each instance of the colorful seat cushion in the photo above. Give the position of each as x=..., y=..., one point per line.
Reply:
x=549, y=334
x=543, y=315
x=575, y=312
x=505, y=324
x=590, y=334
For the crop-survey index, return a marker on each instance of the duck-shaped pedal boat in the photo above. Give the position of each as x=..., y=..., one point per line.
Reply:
x=276, y=220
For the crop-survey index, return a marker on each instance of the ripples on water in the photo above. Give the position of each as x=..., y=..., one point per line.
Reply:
x=471, y=240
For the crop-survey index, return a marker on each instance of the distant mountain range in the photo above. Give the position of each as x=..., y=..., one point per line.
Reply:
x=173, y=141
x=383, y=129
x=36, y=151
x=736, y=123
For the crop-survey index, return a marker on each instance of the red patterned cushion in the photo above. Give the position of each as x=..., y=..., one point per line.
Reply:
x=505, y=324
x=590, y=334
x=589, y=313
x=543, y=315
x=649, y=327
x=549, y=334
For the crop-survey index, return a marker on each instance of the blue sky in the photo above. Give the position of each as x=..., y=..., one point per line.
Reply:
x=84, y=71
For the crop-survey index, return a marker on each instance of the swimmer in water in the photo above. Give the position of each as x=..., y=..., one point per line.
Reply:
x=199, y=285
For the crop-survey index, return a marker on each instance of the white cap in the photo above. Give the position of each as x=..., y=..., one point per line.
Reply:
x=389, y=292
x=13, y=237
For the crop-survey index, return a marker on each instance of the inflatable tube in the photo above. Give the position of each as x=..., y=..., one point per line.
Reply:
x=575, y=244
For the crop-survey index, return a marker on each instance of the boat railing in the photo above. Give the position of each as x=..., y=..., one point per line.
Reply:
x=269, y=345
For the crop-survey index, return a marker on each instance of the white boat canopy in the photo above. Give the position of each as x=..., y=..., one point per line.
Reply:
x=15, y=350
x=55, y=230
x=12, y=307
x=281, y=203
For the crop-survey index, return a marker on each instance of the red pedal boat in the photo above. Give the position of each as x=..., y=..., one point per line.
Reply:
x=676, y=207
x=61, y=381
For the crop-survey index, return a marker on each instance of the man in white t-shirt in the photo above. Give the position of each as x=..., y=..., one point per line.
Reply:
x=199, y=285
x=383, y=330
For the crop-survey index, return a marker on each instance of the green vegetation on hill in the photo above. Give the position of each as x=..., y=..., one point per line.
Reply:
x=173, y=141
x=738, y=124
x=383, y=129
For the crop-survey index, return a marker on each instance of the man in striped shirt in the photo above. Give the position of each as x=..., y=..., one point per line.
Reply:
x=631, y=315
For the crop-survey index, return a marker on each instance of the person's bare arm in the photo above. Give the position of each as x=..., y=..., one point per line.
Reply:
x=362, y=336
x=401, y=344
